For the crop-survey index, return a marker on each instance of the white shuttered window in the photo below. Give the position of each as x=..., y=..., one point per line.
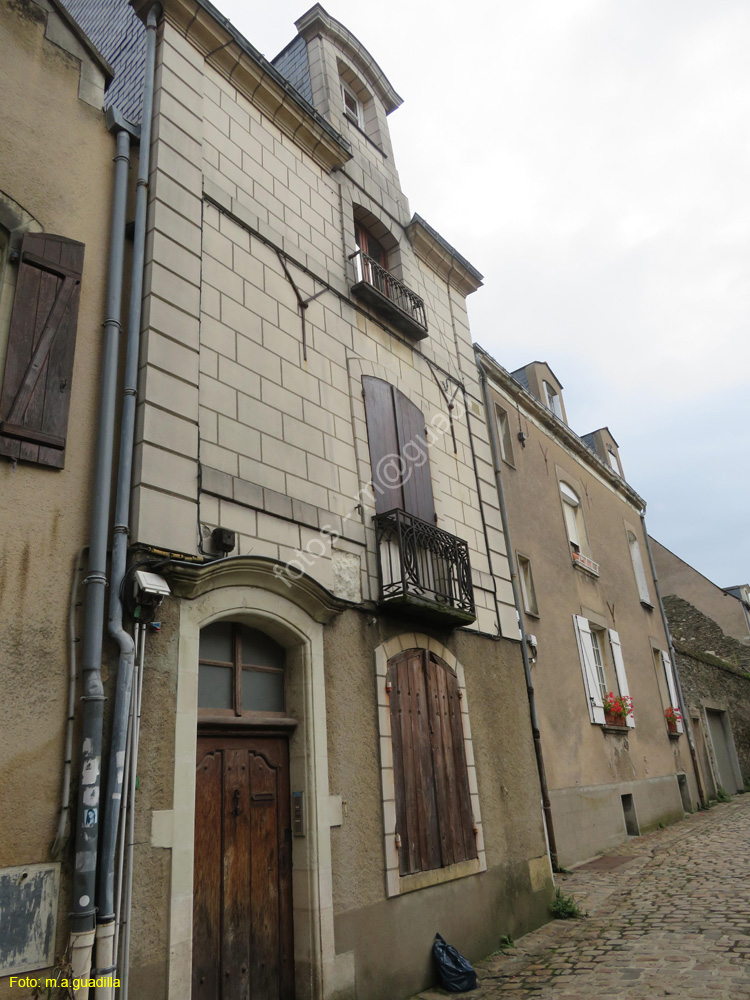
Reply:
x=671, y=686
x=622, y=681
x=588, y=668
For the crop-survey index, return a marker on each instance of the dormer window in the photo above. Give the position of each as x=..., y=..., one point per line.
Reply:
x=552, y=400
x=614, y=464
x=352, y=106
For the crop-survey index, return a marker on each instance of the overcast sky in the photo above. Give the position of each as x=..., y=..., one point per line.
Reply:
x=591, y=158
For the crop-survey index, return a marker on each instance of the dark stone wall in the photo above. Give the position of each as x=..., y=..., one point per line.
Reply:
x=713, y=667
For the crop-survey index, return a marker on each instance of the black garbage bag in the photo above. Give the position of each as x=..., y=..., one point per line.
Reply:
x=456, y=975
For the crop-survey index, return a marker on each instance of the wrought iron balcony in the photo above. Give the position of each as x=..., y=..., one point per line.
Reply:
x=423, y=570
x=380, y=289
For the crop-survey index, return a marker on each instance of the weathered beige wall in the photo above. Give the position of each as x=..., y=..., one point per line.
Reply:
x=590, y=820
x=56, y=160
x=578, y=754
x=151, y=884
x=472, y=912
x=678, y=578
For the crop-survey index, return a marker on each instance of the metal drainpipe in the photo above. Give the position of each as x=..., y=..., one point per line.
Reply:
x=105, y=958
x=75, y=589
x=673, y=658
x=546, y=804
x=87, y=820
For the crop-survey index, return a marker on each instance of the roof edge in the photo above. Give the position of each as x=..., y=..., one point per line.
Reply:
x=319, y=18
x=229, y=52
x=84, y=39
x=438, y=254
x=598, y=430
x=546, y=417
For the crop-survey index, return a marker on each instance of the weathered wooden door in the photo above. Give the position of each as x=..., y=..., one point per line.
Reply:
x=242, y=888
x=722, y=756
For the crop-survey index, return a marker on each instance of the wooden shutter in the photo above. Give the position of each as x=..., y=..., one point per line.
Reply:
x=671, y=686
x=434, y=818
x=383, y=442
x=398, y=451
x=455, y=815
x=588, y=666
x=412, y=442
x=35, y=395
x=622, y=681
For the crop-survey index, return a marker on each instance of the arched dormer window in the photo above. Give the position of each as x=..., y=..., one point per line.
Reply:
x=358, y=103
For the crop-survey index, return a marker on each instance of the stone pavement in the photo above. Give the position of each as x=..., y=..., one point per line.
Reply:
x=671, y=919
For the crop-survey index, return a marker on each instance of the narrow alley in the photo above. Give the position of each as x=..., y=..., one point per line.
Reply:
x=668, y=915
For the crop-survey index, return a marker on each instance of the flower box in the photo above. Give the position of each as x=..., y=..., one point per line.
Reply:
x=617, y=708
x=610, y=719
x=674, y=718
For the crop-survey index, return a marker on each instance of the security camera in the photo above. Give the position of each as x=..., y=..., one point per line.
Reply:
x=151, y=584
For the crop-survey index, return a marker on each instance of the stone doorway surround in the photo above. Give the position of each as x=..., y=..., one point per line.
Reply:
x=397, y=884
x=246, y=589
x=720, y=739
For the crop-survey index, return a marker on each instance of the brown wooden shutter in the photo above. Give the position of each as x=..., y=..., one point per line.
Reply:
x=434, y=818
x=412, y=442
x=398, y=450
x=462, y=821
x=35, y=396
x=383, y=442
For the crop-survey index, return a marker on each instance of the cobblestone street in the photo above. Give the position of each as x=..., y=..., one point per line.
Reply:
x=672, y=918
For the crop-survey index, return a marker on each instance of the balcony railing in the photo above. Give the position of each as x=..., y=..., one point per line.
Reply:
x=579, y=559
x=423, y=570
x=379, y=288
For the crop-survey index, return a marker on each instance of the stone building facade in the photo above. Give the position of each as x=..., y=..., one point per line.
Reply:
x=333, y=706
x=590, y=614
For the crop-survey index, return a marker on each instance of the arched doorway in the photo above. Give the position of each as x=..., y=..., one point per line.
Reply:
x=242, y=881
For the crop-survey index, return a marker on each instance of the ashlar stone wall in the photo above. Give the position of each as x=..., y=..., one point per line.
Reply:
x=243, y=423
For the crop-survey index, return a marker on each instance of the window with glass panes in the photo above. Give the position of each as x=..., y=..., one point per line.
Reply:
x=240, y=671
x=599, y=661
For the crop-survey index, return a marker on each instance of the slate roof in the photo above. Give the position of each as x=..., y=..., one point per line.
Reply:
x=588, y=440
x=292, y=63
x=120, y=36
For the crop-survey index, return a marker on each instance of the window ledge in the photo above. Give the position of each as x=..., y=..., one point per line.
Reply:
x=351, y=121
x=616, y=730
x=648, y=605
x=585, y=564
x=422, y=880
x=532, y=614
x=674, y=736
